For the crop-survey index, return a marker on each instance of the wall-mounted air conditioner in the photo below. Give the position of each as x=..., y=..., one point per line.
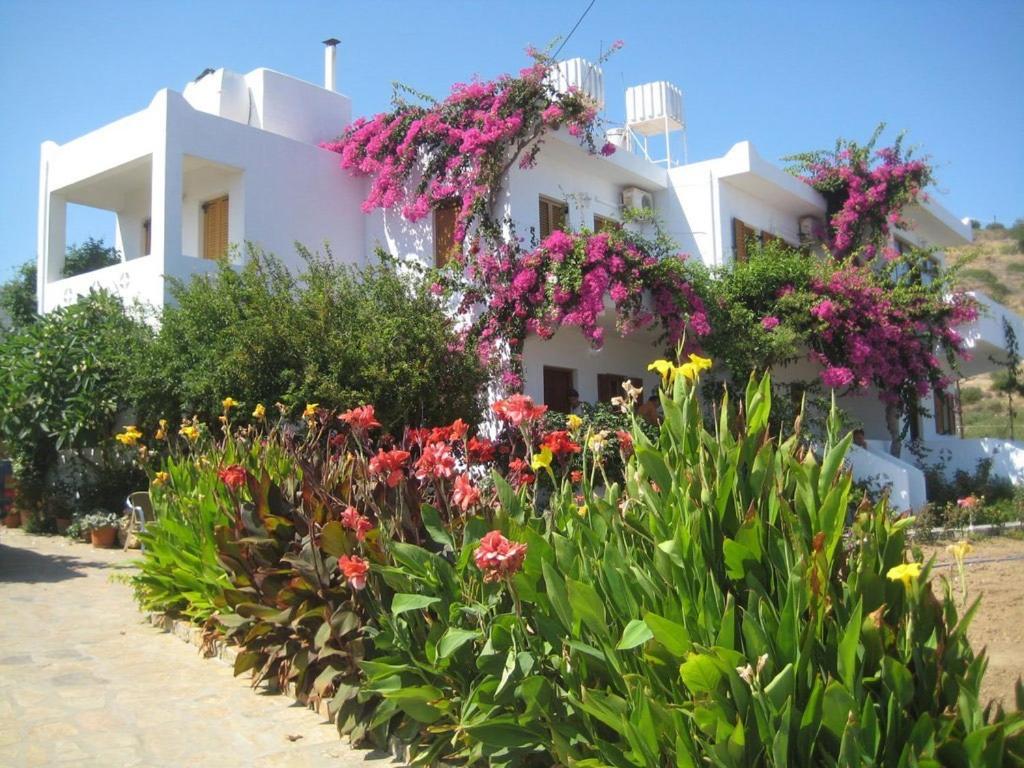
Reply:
x=634, y=197
x=811, y=229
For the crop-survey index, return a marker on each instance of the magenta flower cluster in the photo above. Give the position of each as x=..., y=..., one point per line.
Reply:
x=864, y=336
x=571, y=279
x=456, y=151
x=865, y=191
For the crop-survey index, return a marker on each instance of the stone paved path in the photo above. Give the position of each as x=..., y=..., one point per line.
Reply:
x=84, y=681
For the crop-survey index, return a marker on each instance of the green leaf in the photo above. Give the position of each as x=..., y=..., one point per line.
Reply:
x=847, y=661
x=333, y=539
x=700, y=673
x=557, y=594
x=654, y=466
x=454, y=639
x=503, y=731
x=436, y=528
x=403, y=602
x=673, y=636
x=587, y=606
x=637, y=632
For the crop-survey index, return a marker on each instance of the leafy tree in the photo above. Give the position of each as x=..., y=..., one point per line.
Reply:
x=18, y=296
x=333, y=335
x=1011, y=382
x=63, y=382
x=90, y=255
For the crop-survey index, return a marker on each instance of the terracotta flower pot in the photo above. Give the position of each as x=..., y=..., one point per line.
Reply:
x=12, y=519
x=105, y=537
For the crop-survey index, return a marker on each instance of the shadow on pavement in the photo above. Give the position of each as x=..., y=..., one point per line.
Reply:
x=28, y=567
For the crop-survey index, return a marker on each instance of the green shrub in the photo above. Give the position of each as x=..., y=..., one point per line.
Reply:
x=89, y=256
x=63, y=383
x=18, y=296
x=971, y=395
x=333, y=335
x=711, y=611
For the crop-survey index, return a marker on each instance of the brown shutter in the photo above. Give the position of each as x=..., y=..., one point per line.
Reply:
x=739, y=240
x=558, y=215
x=604, y=224
x=445, y=216
x=545, y=219
x=215, y=228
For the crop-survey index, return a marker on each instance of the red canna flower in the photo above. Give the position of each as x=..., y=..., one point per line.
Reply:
x=354, y=569
x=498, y=557
x=465, y=494
x=354, y=521
x=560, y=443
x=458, y=429
x=480, y=449
x=389, y=463
x=518, y=409
x=625, y=441
x=360, y=419
x=576, y=476
x=234, y=477
x=436, y=461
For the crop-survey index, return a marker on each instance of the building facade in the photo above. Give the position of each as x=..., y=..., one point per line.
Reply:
x=235, y=159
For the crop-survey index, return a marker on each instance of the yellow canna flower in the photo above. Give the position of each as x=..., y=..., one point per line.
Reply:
x=688, y=370
x=161, y=478
x=310, y=411
x=700, y=363
x=597, y=441
x=960, y=550
x=259, y=411
x=664, y=368
x=907, y=573
x=542, y=460
x=161, y=433
x=574, y=422
x=228, y=403
x=190, y=432
x=130, y=435
x=582, y=510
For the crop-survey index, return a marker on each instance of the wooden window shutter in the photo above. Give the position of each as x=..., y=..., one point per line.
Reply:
x=545, y=219
x=559, y=214
x=215, y=228
x=445, y=216
x=605, y=224
x=739, y=240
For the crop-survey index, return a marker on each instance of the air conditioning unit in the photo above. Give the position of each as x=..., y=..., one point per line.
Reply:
x=811, y=229
x=640, y=199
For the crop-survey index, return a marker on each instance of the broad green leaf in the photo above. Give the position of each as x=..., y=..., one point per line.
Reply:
x=847, y=660
x=637, y=632
x=673, y=636
x=432, y=522
x=587, y=606
x=403, y=602
x=700, y=673
x=454, y=639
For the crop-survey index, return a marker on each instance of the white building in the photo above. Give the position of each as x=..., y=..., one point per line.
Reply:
x=235, y=159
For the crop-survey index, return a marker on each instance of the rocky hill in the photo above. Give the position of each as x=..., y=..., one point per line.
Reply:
x=994, y=264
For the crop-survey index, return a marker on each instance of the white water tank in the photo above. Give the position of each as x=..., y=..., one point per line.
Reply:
x=653, y=108
x=223, y=93
x=580, y=74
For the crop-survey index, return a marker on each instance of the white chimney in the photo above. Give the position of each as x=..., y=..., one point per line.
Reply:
x=330, y=58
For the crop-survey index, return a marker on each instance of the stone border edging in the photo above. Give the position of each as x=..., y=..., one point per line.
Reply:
x=223, y=651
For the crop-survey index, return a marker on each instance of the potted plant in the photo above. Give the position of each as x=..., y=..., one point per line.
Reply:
x=102, y=527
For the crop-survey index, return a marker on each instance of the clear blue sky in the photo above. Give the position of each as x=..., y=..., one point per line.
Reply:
x=788, y=76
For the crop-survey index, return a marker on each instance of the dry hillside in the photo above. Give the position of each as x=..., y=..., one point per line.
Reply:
x=994, y=264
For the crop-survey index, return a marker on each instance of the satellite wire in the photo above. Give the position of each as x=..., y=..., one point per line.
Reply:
x=575, y=26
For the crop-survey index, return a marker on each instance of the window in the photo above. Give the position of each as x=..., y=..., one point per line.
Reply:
x=147, y=235
x=605, y=224
x=215, y=228
x=740, y=234
x=552, y=216
x=945, y=413
x=767, y=237
x=609, y=385
x=445, y=216
x=557, y=383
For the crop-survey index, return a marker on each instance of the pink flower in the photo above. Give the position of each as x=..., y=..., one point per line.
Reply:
x=769, y=323
x=354, y=521
x=465, y=494
x=437, y=461
x=518, y=409
x=836, y=377
x=360, y=419
x=498, y=557
x=608, y=149
x=389, y=463
x=354, y=569
x=234, y=477
x=967, y=502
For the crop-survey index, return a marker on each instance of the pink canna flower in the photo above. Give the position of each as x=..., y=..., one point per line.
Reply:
x=465, y=495
x=354, y=568
x=356, y=522
x=389, y=464
x=361, y=419
x=498, y=557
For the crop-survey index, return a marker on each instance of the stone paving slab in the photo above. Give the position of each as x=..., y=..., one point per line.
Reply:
x=85, y=680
